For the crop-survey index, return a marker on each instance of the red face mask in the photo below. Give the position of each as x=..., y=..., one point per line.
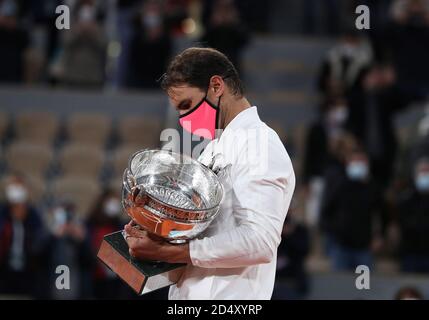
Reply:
x=202, y=119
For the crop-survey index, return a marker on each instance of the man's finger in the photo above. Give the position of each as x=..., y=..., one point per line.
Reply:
x=134, y=243
x=134, y=232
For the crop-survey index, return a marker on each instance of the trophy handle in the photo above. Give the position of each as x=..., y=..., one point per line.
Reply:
x=224, y=172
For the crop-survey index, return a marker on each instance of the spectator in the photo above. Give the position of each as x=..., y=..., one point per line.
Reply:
x=417, y=146
x=175, y=12
x=292, y=253
x=125, y=10
x=22, y=240
x=225, y=32
x=346, y=63
x=348, y=209
x=372, y=109
x=150, y=48
x=105, y=218
x=44, y=37
x=413, y=208
x=409, y=293
x=407, y=46
x=84, y=55
x=331, y=10
x=14, y=42
x=68, y=246
x=321, y=135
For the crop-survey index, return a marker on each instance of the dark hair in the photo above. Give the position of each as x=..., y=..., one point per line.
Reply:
x=196, y=66
x=408, y=292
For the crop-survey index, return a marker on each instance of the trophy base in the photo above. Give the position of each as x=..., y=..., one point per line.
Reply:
x=142, y=276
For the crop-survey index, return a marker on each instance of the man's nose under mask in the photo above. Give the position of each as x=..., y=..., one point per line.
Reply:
x=202, y=119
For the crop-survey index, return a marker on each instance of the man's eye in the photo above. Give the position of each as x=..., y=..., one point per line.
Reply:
x=184, y=106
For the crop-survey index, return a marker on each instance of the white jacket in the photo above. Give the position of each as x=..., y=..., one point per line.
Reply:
x=235, y=258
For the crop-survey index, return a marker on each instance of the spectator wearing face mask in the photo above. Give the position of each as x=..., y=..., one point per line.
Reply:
x=322, y=133
x=150, y=47
x=69, y=246
x=349, y=205
x=105, y=218
x=413, y=209
x=373, y=107
x=406, y=43
x=22, y=240
x=225, y=31
x=14, y=41
x=84, y=56
x=346, y=63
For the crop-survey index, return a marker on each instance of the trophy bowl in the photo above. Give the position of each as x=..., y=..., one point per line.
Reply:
x=170, y=195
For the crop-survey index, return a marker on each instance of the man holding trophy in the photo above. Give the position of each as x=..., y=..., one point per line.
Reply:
x=234, y=257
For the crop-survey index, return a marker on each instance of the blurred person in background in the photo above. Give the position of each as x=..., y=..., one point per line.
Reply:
x=409, y=293
x=373, y=107
x=417, y=146
x=22, y=241
x=43, y=16
x=150, y=48
x=292, y=253
x=45, y=38
x=406, y=46
x=255, y=14
x=330, y=124
x=346, y=63
x=225, y=31
x=14, y=40
x=68, y=246
x=331, y=10
x=175, y=12
x=349, y=206
x=413, y=218
x=106, y=217
x=84, y=55
x=125, y=11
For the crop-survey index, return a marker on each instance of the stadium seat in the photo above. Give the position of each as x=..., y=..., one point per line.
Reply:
x=120, y=157
x=80, y=191
x=81, y=160
x=88, y=128
x=40, y=127
x=28, y=158
x=142, y=131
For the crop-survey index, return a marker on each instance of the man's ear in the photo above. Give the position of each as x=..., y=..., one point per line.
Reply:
x=217, y=85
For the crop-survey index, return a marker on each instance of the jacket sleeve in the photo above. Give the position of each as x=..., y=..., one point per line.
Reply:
x=260, y=203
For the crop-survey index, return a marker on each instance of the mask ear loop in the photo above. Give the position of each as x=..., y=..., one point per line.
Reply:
x=217, y=115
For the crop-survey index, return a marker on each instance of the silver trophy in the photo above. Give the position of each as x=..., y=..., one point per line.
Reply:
x=171, y=196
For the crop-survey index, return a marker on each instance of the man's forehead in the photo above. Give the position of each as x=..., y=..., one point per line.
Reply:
x=180, y=92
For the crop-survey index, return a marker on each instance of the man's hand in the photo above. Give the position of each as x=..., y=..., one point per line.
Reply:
x=145, y=246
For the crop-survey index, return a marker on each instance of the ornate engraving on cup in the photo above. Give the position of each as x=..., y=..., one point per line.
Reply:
x=170, y=195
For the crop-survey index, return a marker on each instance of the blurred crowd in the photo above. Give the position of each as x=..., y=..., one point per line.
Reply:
x=365, y=185
x=123, y=43
x=33, y=244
